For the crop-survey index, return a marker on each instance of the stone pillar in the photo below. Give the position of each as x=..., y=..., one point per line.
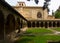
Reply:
x=25, y=23
x=55, y=24
x=31, y=23
x=35, y=24
x=52, y=24
x=21, y=23
x=43, y=24
x=4, y=32
x=59, y=23
x=39, y=24
x=47, y=24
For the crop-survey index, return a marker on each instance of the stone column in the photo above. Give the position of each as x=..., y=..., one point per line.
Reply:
x=47, y=24
x=35, y=24
x=59, y=23
x=43, y=24
x=31, y=24
x=52, y=24
x=4, y=31
x=55, y=24
x=39, y=24
x=21, y=23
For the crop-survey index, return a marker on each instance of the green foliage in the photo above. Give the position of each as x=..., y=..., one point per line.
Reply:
x=57, y=14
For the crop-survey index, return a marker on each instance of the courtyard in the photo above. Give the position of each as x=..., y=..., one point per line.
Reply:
x=39, y=35
x=29, y=24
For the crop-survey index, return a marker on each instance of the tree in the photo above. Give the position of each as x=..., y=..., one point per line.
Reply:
x=28, y=0
x=57, y=14
x=46, y=3
x=36, y=1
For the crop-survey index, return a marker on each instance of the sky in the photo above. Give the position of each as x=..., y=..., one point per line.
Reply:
x=54, y=4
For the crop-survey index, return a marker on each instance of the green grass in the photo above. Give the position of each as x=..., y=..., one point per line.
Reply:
x=38, y=30
x=37, y=38
x=57, y=29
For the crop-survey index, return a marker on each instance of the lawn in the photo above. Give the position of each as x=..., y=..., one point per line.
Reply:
x=38, y=30
x=57, y=29
x=37, y=38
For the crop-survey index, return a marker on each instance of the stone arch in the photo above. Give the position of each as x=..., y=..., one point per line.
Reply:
x=57, y=23
x=10, y=23
x=18, y=24
x=46, y=24
x=41, y=24
x=39, y=15
x=54, y=24
x=29, y=24
x=21, y=23
x=33, y=24
x=1, y=25
x=50, y=24
x=37, y=23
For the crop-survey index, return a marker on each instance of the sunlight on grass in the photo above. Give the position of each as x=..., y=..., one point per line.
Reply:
x=57, y=29
x=36, y=30
x=37, y=38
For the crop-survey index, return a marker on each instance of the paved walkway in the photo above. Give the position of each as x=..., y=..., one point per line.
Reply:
x=19, y=34
x=24, y=29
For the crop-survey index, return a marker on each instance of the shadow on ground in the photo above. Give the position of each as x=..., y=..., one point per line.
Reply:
x=23, y=40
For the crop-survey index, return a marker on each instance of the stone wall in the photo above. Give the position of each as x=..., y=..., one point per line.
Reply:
x=9, y=22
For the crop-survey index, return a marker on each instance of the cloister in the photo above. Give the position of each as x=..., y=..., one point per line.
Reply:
x=44, y=23
x=11, y=20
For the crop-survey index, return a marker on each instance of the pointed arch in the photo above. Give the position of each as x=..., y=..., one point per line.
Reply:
x=18, y=24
